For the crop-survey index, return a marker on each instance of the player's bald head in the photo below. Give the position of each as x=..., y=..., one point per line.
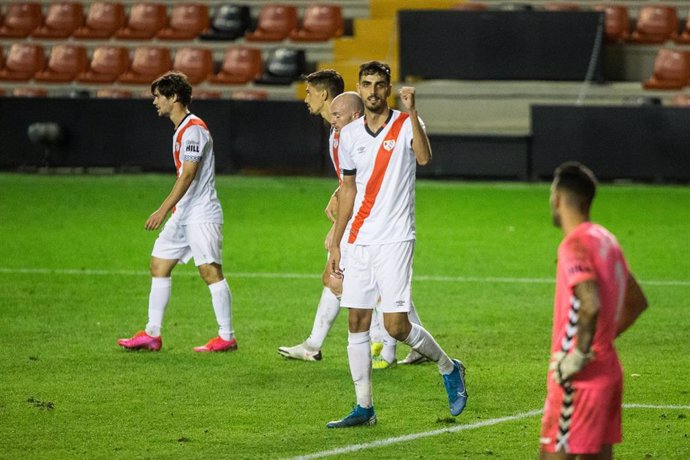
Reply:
x=348, y=101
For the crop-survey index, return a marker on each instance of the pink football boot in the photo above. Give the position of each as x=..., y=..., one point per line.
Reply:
x=218, y=344
x=141, y=341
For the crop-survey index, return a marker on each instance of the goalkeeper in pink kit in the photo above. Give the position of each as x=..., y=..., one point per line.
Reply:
x=597, y=299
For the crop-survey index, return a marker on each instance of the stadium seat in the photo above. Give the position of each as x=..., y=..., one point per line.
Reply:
x=671, y=70
x=64, y=64
x=240, y=65
x=275, y=24
x=470, y=6
x=249, y=95
x=148, y=64
x=199, y=95
x=107, y=64
x=29, y=92
x=102, y=21
x=617, y=22
x=187, y=21
x=23, y=61
x=561, y=6
x=196, y=63
x=655, y=24
x=21, y=19
x=61, y=21
x=320, y=23
x=283, y=66
x=144, y=22
x=229, y=22
x=684, y=37
x=113, y=93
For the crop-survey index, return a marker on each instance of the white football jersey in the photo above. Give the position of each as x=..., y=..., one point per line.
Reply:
x=333, y=148
x=192, y=142
x=385, y=168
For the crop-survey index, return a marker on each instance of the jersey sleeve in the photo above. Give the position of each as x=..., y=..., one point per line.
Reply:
x=193, y=144
x=576, y=261
x=407, y=130
x=345, y=148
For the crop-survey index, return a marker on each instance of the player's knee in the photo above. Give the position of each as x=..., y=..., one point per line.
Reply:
x=397, y=327
x=211, y=273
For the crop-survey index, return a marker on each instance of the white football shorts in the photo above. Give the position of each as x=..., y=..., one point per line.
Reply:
x=204, y=242
x=383, y=270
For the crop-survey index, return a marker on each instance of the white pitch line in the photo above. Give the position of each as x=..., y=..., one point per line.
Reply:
x=455, y=429
x=443, y=279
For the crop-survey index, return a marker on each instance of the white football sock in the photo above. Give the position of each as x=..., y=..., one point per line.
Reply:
x=413, y=316
x=158, y=301
x=424, y=343
x=326, y=313
x=222, y=306
x=359, y=356
x=376, y=327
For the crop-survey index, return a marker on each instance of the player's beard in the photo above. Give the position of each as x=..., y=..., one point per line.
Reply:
x=375, y=106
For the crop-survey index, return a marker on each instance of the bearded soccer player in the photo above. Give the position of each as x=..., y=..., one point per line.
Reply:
x=597, y=299
x=378, y=157
x=195, y=227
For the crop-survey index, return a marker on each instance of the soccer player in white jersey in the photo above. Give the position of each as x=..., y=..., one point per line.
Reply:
x=195, y=228
x=378, y=157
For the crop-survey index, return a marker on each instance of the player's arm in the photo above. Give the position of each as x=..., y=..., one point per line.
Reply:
x=565, y=366
x=420, y=141
x=181, y=186
x=332, y=206
x=346, y=203
x=634, y=304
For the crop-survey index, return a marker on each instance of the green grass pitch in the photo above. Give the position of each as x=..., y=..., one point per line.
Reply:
x=73, y=278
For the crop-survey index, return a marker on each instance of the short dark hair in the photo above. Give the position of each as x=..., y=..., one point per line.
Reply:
x=578, y=181
x=375, y=68
x=174, y=84
x=327, y=79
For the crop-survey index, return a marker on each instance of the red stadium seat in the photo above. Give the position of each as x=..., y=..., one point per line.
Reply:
x=249, y=95
x=320, y=23
x=113, y=93
x=684, y=37
x=275, y=24
x=240, y=65
x=196, y=63
x=617, y=22
x=206, y=94
x=470, y=6
x=655, y=24
x=671, y=70
x=29, y=92
x=24, y=60
x=187, y=21
x=561, y=6
x=148, y=64
x=144, y=22
x=21, y=19
x=107, y=64
x=61, y=21
x=102, y=21
x=64, y=64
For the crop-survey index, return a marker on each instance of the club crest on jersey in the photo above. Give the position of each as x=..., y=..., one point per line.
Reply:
x=389, y=144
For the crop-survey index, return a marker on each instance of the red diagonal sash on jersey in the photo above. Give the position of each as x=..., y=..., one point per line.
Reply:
x=178, y=146
x=383, y=157
x=336, y=160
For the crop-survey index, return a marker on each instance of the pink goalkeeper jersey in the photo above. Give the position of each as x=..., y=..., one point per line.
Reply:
x=385, y=168
x=590, y=252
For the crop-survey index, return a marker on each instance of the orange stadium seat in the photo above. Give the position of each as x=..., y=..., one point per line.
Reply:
x=144, y=22
x=275, y=24
x=64, y=64
x=107, y=64
x=283, y=66
x=196, y=63
x=23, y=61
x=320, y=23
x=229, y=22
x=617, y=22
x=148, y=64
x=30, y=92
x=655, y=24
x=113, y=93
x=684, y=37
x=102, y=21
x=21, y=19
x=671, y=70
x=187, y=21
x=240, y=65
x=61, y=20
